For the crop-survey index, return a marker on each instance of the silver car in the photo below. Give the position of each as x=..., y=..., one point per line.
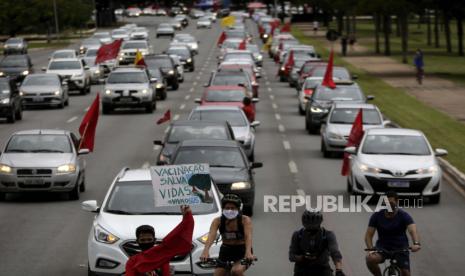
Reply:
x=179, y=68
x=189, y=41
x=336, y=128
x=42, y=160
x=73, y=71
x=204, y=22
x=139, y=33
x=244, y=131
x=395, y=159
x=120, y=34
x=167, y=29
x=89, y=43
x=15, y=45
x=44, y=89
x=97, y=71
x=104, y=37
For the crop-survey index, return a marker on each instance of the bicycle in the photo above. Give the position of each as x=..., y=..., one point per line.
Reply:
x=227, y=265
x=393, y=268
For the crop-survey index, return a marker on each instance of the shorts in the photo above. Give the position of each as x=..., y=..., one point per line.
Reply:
x=232, y=253
x=402, y=258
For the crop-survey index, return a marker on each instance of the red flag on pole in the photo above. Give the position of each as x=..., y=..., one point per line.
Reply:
x=89, y=125
x=242, y=45
x=355, y=137
x=290, y=63
x=274, y=25
x=328, y=79
x=108, y=51
x=166, y=117
x=286, y=28
x=221, y=39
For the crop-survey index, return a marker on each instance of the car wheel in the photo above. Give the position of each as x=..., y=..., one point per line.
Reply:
x=19, y=113
x=435, y=199
x=90, y=272
x=149, y=108
x=12, y=117
x=107, y=109
x=62, y=104
x=83, y=91
x=282, y=79
x=74, y=193
x=82, y=186
x=164, y=95
x=350, y=190
x=191, y=69
x=248, y=210
x=67, y=102
x=2, y=196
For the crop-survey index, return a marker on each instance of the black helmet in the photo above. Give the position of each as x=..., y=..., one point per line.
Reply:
x=312, y=219
x=231, y=198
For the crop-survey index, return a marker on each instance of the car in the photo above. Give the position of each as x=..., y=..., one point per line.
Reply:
x=42, y=160
x=104, y=37
x=294, y=72
x=181, y=130
x=119, y=11
x=303, y=50
x=167, y=67
x=230, y=44
x=73, y=71
x=233, y=77
x=396, y=159
x=97, y=71
x=89, y=43
x=160, y=82
x=244, y=131
x=160, y=12
x=10, y=100
x=306, y=69
x=16, y=67
x=67, y=53
x=175, y=24
x=120, y=34
x=188, y=40
x=229, y=167
x=336, y=127
x=250, y=70
x=276, y=42
x=133, y=12
x=183, y=19
x=179, y=66
x=148, y=11
x=15, y=45
x=257, y=55
x=44, y=89
x=237, y=55
x=204, y=22
x=237, y=33
x=196, y=14
x=128, y=204
x=165, y=29
x=323, y=98
x=139, y=33
x=211, y=16
x=129, y=48
x=340, y=73
x=307, y=90
x=287, y=69
x=187, y=59
x=129, y=87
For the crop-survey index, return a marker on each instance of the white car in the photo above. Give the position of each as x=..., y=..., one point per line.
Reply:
x=73, y=71
x=139, y=33
x=120, y=34
x=128, y=204
x=165, y=29
x=395, y=159
x=128, y=51
x=204, y=22
x=97, y=71
x=104, y=37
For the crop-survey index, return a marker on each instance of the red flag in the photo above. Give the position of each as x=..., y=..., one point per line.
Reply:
x=177, y=242
x=108, y=51
x=166, y=117
x=355, y=137
x=221, y=39
x=89, y=125
x=260, y=30
x=286, y=28
x=328, y=79
x=290, y=63
x=242, y=45
x=274, y=25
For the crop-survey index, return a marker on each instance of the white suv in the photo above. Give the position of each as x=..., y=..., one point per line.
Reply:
x=73, y=71
x=128, y=204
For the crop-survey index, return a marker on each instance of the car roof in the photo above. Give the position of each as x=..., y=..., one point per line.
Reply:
x=197, y=123
x=354, y=105
x=128, y=69
x=65, y=50
x=41, y=131
x=65, y=59
x=209, y=143
x=135, y=175
x=43, y=75
x=219, y=108
x=394, y=131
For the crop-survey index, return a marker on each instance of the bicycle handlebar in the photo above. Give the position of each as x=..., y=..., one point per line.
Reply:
x=380, y=250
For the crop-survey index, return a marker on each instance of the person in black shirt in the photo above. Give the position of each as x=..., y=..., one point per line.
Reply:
x=311, y=247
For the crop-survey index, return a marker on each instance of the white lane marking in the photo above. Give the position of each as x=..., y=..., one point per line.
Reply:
x=287, y=145
x=275, y=106
x=145, y=165
x=187, y=97
x=167, y=129
x=281, y=128
x=272, y=97
x=191, y=90
x=86, y=109
x=195, y=83
x=293, y=167
x=182, y=106
x=267, y=83
x=176, y=117
x=278, y=117
x=72, y=119
x=156, y=147
x=269, y=89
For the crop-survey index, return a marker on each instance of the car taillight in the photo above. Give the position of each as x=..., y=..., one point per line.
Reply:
x=308, y=92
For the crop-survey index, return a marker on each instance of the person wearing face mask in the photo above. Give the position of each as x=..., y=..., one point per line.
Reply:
x=311, y=247
x=154, y=260
x=236, y=232
x=391, y=224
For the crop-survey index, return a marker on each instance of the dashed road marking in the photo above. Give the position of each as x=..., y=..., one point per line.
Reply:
x=278, y=117
x=269, y=89
x=281, y=128
x=182, y=106
x=272, y=97
x=293, y=167
x=275, y=106
x=191, y=90
x=156, y=147
x=287, y=145
x=72, y=119
x=187, y=97
x=176, y=117
x=195, y=83
x=167, y=129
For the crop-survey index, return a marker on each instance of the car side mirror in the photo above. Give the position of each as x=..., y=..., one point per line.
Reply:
x=255, y=100
x=44, y=69
x=255, y=124
x=370, y=97
x=351, y=150
x=256, y=165
x=158, y=143
x=83, y=151
x=153, y=80
x=86, y=67
x=198, y=100
x=90, y=206
x=440, y=152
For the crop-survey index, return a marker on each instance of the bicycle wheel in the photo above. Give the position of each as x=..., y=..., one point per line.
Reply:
x=391, y=271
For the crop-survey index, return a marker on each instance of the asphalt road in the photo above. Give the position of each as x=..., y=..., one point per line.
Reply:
x=43, y=234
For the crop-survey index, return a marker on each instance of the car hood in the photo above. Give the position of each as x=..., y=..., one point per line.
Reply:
x=401, y=163
x=126, y=86
x=241, y=132
x=229, y=175
x=66, y=72
x=124, y=226
x=344, y=129
x=43, y=160
x=39, y=88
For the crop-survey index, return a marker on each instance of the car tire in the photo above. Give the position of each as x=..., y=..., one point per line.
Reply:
x=350, y=190
x=74, y=193
x=82, y=185
x=90, y=272
x=67, y=102
x=62, y=104
x=163, y=95
x=12, y=117
x=83, y=91
x=191, y=69
x=149, y=108
x=2, y=196
x=324, y=150
x=301, y=111
x=248, y=210
x=106, y=109
x=282, y=79
x=434, y=199
x=19, y=113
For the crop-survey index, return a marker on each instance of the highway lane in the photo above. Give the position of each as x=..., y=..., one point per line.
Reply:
x=47, y=235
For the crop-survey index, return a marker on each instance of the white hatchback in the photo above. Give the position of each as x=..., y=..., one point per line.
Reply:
x=128, y=204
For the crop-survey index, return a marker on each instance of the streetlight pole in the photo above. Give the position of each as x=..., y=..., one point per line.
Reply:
x=56, y=19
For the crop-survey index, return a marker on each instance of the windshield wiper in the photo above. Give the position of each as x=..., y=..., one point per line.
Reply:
x=47, y=150
x=16, y=150
x=119, y=212
x=401, y=153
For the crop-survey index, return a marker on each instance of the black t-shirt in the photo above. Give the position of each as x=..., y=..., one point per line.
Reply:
x=391, y=231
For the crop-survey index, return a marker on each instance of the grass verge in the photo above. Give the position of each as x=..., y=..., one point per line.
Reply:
x=442, y=130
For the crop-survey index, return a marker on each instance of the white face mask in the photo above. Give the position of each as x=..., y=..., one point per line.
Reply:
x=230, y=214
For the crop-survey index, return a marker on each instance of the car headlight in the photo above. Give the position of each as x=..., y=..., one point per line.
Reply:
x=97, y=71
x=259, y=57
x=1, y=74
x=265, y=35
x=5, y=101
x=240, y=185
x=316, y=109
x=159, y=85
x=57, y=93
x=21, y=93
x=67, y=168
x=171, y=72
x=5, y=169
x=7, y=46
x=81, y=48
x=335, y=136
x=144, y=91
x=107, y=91
x=204, y=238
x=195, y=46
x=25, y=72
x=103, y=236
x=282, y=68
x=364, y=168
x=432, y=169
x=189, y=60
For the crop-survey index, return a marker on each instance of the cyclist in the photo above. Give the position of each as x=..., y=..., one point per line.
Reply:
x=391, y=224
x=311, y=247
x=236, y=232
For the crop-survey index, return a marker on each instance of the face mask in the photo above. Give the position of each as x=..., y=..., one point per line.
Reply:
x=146, y=245
x=230, y=214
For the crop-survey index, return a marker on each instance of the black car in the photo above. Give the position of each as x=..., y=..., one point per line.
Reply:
x=17, y=67
x=10, y=100
x=187, y=59
x=229, y=167
x=167, y=67
x=321, y=100
x=160, y=84
x=191, y=130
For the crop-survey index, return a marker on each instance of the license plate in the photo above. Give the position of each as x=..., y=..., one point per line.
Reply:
x=125, y=100
x=37, y=100
x=34, y=181
x=398, y=184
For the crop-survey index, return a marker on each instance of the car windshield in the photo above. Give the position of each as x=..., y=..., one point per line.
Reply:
x=225, y=95
x=338, y=73
x=230, y=79
x=64, y=55
x=235, y=34
x=312, y=83
x=347, y=116
x=214, y=156
x=182, y=52
x=233, y=117
x=181, y=133
x=158, y=62
x=13, y=62
x=41, y=80
x=119, y=32
x=127, y=77
x=237, y=56
x=135, y=45
x=253, y=48
x=91, y=53
x=13, y=41
x=65, y=65
x=137, y=198
x=91, y=42
x=396, y=145
x=340, y=93
x=165, y=26
x=307, y=68
x=39, y=143
x=230, y=44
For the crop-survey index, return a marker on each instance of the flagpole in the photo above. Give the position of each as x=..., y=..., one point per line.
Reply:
x=83, y=135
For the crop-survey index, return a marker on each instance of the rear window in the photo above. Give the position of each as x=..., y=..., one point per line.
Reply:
x=181, y=133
